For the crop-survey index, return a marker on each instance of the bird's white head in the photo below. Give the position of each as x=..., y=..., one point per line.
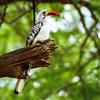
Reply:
x=44, y=13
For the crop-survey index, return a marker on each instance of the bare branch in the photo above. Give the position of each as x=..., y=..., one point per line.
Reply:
x=4, y=14
x=81, y=17
x=81, y=50
x=43, y=1
x=15, y=63
x=86, y=63
x=25, y=12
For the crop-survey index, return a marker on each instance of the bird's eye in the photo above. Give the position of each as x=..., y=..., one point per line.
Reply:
x=44, y=13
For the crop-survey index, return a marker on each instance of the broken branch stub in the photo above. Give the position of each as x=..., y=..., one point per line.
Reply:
x=15, y=63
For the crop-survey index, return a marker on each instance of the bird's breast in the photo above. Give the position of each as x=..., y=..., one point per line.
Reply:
x=43, y=34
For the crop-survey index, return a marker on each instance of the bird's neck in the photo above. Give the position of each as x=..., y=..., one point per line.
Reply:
x=44, y=22
x=38, y=21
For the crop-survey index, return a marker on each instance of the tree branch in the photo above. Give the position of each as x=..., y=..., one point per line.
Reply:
x=25, y=12
x=15, y=63
x=3, y=16
x=81, y=17
x=43, y=1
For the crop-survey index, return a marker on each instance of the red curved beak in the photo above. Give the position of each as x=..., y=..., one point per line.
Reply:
x=52, y=12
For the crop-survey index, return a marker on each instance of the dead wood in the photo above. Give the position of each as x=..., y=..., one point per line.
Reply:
x=15, y=63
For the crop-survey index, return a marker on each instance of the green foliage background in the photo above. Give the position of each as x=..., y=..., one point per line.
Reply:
x=60, y=80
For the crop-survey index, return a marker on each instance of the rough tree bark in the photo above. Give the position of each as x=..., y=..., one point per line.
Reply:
x=15, y=63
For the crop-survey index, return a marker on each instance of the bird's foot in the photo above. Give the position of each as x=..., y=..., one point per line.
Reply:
x=38, y=42
x=29, y=71
x=41, y=42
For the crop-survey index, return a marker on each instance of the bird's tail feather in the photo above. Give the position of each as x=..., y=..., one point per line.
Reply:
x=19, y=86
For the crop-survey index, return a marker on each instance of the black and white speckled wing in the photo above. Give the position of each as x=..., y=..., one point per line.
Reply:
x=34, y=32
